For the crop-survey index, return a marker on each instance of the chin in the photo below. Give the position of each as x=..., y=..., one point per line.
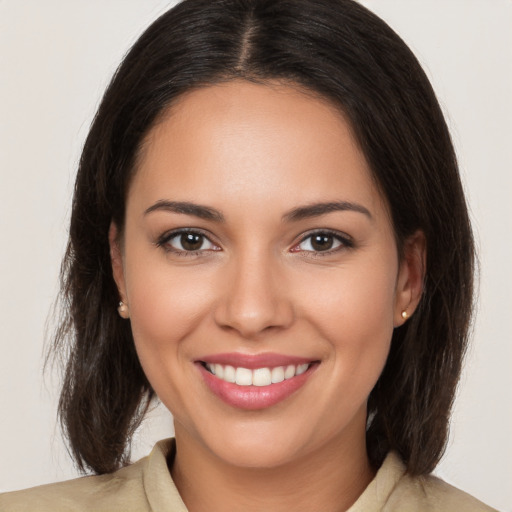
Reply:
x=260, y=454
x=254, y=444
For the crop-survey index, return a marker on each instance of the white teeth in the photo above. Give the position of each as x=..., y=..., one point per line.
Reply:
x=229, y=374
x=301, y=369
x=219, y=371
x=243, y=377
x=289, y=372
x=258, y=376
x=277, y=374
x=261, y=377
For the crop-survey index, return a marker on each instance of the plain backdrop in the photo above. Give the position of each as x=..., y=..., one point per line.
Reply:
x=57, y=56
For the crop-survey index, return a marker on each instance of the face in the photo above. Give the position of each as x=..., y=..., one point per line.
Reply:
x=260, y=269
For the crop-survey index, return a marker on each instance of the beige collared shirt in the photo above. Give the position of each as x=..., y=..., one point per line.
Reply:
x=147, y=486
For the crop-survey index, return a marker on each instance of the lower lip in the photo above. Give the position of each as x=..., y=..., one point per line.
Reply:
x=254, y=397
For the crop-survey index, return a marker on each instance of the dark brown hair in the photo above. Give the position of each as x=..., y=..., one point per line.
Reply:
x=342, y=52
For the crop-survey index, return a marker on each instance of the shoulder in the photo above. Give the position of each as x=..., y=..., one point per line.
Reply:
x=393, y=490
x=429, y=493
x=137, y=487
x=116, y=491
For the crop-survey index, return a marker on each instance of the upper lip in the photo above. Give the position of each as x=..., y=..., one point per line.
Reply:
x=253, y=361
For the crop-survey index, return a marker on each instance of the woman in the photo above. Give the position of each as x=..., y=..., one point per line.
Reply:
x=269, y=233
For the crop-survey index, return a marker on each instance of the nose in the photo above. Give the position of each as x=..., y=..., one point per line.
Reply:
x=255, y=298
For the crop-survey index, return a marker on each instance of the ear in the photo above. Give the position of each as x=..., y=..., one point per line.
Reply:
x=116, y=259
x=411, y=277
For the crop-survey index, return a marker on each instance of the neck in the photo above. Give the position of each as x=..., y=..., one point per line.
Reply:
x=329, y=479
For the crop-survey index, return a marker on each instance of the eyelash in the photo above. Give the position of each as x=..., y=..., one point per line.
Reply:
x=345, y=243
x=163, y=242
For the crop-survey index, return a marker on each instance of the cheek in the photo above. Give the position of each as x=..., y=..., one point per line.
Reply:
x=166, y=305
x=353, y=309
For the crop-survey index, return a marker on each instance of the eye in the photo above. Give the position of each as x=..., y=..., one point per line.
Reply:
x=187, y=241
x=322, y=241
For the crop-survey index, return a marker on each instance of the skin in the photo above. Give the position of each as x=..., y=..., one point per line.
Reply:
x=254, y=153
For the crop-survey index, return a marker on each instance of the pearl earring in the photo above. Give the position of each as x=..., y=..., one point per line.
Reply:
x=122, y=309
x=405, y=315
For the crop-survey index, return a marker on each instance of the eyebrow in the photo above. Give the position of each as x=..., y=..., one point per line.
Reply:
x=318, y=209
x=299, y=213
x=187, y=208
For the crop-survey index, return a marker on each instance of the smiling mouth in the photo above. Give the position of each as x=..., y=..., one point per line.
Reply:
x=255, y=382
x=256, y=377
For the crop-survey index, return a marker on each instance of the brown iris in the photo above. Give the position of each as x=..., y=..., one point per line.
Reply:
x=191, y=241
x=322, y=242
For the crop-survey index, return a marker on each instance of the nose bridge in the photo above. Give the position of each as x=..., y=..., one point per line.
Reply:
x=254, y=298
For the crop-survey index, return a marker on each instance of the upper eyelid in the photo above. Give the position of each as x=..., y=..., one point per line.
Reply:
x=336, y=234
x=174, y=232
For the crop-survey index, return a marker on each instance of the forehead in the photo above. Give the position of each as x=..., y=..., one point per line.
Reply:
x=257, y=142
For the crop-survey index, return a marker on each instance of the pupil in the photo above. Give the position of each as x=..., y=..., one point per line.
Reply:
x=322, y=242
x=191, y=241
